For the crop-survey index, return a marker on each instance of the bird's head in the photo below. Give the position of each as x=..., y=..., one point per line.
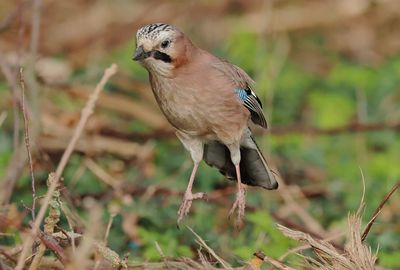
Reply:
x=161, y=48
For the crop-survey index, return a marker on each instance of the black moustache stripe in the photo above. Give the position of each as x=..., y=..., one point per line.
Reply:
x=162, y=56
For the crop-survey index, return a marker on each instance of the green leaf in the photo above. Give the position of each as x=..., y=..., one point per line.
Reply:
x=330, y=110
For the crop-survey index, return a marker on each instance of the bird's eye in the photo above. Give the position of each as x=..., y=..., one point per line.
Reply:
x=165, y=44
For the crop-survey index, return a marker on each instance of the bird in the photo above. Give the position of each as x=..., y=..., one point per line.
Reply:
x=210, y=103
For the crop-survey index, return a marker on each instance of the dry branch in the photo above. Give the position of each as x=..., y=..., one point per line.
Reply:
x=378, y=210
x=86, y=112
x=103, y=175
x=27, y=142
x=130, y=107
x=273, y=262
x=201, y=242
x=95, y=145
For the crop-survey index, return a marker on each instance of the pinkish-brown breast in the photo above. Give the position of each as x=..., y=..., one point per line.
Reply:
x=201, y=101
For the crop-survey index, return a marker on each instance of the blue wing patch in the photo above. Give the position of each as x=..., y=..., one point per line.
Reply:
x=241, y=93
x=253, y=104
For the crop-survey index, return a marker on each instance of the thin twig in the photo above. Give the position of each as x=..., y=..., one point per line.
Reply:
x=27, y=142
x=30, y=74
x=165, y=259
x=20, y=50
x=273, y=262
x=86, y=113
x=210, y=250
x=363, y=184
x=71, y=227
x=102, y=174
x=378, y=210
x=109, y=224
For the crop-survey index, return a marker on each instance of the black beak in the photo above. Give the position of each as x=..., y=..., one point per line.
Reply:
x=140, y=54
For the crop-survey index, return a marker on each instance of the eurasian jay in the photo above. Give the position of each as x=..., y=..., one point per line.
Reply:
x=210, y=102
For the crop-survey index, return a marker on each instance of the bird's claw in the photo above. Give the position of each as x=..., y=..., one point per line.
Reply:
x=239, y=206
x=187, y=203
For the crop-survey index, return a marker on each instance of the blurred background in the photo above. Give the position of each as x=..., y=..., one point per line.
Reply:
x=327, y=72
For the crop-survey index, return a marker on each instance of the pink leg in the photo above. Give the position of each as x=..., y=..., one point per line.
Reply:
x=189, y=196
x=240, y=202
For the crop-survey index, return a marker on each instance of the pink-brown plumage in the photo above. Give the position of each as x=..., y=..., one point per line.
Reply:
x=197, y=98
x=197, y=92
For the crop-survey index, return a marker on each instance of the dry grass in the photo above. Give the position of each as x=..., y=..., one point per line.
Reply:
x=356, y=255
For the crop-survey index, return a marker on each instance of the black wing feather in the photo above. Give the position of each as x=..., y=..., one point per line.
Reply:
x=253, y=104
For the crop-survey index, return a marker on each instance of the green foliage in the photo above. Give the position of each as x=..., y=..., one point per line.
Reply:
x=167, y=241
x=275, y=243
x=241, y=50
x=330, y=109
x=123, y=58
x=4, y=159
x=390, y=259
x=350, y=76
x=292, y=85
x=85, y=184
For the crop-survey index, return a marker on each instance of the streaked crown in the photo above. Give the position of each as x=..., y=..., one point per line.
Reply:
x=152, y=31
x=161, y=48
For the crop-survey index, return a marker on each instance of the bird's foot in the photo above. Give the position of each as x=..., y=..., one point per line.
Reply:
x=239, y=206
x=187, y=203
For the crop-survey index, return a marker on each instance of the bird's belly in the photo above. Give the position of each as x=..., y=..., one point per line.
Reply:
x=206, y=124
x=209, y=117
x=185, y=119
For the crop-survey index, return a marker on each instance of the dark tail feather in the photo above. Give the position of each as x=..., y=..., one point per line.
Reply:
x=253, y=166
